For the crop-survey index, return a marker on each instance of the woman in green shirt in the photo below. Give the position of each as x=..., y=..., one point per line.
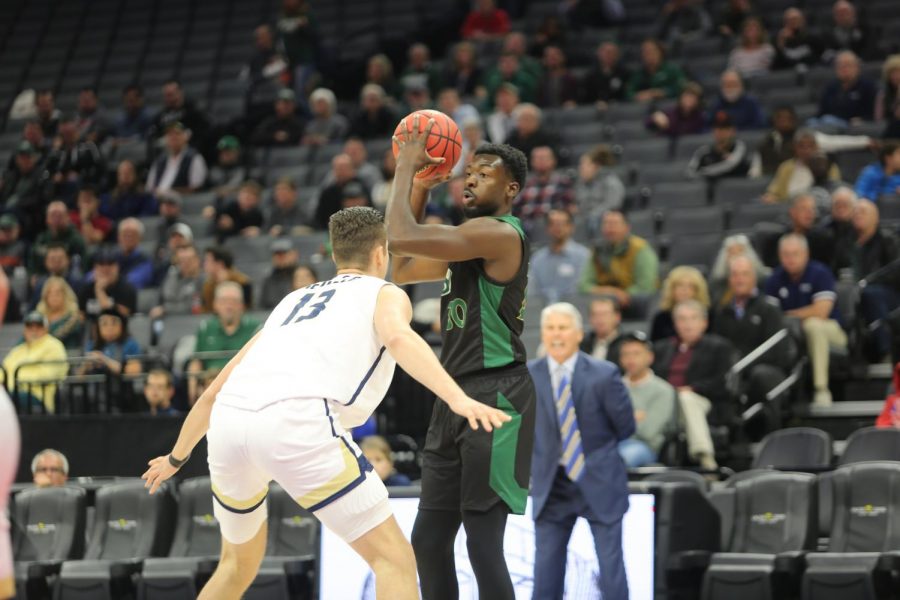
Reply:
x=656, y=79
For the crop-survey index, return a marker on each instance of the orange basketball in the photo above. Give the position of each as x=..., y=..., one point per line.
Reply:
x=445, y=140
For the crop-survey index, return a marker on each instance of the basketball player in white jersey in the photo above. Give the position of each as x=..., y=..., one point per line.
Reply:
x=280, y=409
x=9, y=463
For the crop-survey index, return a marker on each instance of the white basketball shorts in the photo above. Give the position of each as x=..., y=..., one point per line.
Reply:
x=9, y=463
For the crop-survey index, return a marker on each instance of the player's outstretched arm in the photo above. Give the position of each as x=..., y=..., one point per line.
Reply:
x=479, y=238
x=393, y=312
x=194, y=428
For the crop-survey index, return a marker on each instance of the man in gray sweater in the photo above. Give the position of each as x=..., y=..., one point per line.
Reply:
x=653, y=400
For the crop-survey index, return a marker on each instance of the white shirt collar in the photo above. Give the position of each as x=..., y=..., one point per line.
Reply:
x=568, y=364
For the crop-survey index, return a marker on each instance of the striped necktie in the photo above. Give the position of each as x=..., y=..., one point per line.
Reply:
x=572, y=455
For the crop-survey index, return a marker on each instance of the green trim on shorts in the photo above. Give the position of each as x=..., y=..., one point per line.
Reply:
x=504, y=444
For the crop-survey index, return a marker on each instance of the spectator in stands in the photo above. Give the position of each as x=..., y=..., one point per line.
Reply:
x=280, y=280
x=110, y=348
x=732, y=247
x=134, y=264
x=218, y=266
x=366, y=172
x=105, y=289
x=685, y=118
x=381, y=191
x=516, y=43
x=530, y=132
x=415, y=97
x=47, y=113
x=159, y=389
x=873, y=257
x=881, y=178
x=849, y=98
x=304, y=275
x=93, y=226
x=683, y=283
x=803, y=214
x=606, y=80
x=555, y=269
x=747, y=319
x=89, y=118
x=502, y=121
x=183, y=111
x=604, y=339
x=887, y=103
x=509, y=70
x=598, y=187
x=286, y=214
x=134, y=122
x=42, y=359
x=727, y=156
x=170, y=204
x=652, y=398
x=838, y=225
x=226, y=331
x=682, y=20
x=59, y=305
x=332, y=198
x=181, y=289
x=656, y=78
x=242, y=216
x=327, y=125
x=181, y=168
x=846, y=33
x=420, y=69
x=32, y=133
x=374, y=119
x=24, y=189
x=380, y=71
x=58, y=264
x=462, y=71
x=795, y=45
x=266, y=65
x=695, y=363
x=754, y=54
x=449, y=103
x=485, y=22
x=73, y=162
x=545, y=189
x=12, y=248
x=805, y=290
x=557, y=87
x=378, y=452
x=890, y=413
x=127, y=198
x=49, y=468
x=229, y=171
x=297, y=32
x=284, y=128
x=551, y=32
x=622, y=265
x=60, y=230
x=167, y=245
x=743, y=109
x=778, y=144
x=794, y=176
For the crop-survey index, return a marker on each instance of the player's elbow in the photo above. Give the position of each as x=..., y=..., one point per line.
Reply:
x=400, y=342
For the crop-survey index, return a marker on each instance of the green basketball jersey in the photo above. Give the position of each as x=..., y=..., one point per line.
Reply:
x=482, y=319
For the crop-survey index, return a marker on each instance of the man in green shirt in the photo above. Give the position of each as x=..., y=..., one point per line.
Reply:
x=622, y=265
x=227, y=331
x=59, y=231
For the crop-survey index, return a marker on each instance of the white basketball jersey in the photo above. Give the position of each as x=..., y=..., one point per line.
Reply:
x=318, y=343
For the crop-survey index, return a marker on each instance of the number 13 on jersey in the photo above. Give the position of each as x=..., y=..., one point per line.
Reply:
x=314, y=309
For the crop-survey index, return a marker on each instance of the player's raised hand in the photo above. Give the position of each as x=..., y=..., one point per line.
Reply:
x=478, y=413
x=431, y=182
x=411, y=144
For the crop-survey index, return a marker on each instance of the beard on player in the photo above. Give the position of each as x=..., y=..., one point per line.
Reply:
x=475, y=207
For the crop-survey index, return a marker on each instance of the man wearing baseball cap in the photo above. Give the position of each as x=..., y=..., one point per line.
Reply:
x=229, y=171
x=283, y=128
x=180, y=168
x=279, y=282
x=47, y=352
x=727, y=156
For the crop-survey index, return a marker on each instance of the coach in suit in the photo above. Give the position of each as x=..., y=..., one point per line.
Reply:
x=584, y=411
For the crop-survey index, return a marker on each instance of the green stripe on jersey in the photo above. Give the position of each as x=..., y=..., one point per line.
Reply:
x=504, y=445
x=497, y=344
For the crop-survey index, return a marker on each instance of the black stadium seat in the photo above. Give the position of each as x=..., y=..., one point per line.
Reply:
x=774, y=524
x=129, y=526
x=864, y=546
x=48, y=528
x=798, y=448
x=872, y=443
x=680, y=476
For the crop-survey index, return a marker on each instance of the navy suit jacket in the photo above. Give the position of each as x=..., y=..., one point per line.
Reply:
x=605, y=417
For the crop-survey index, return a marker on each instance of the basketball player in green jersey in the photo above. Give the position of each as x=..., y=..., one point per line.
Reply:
x=471, y=478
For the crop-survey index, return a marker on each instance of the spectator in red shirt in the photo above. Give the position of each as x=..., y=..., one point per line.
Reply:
x=92, y=226
x=544, y=190
x=890, y=414
x=485, y=22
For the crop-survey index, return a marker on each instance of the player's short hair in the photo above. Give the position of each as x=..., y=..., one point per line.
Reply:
x=514, y=160
x=354, y=232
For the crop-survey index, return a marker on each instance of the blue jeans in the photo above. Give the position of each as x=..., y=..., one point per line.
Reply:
x=636, y=453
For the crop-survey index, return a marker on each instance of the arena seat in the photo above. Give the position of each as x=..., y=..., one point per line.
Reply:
x=864, y=546
x=774, y=525
x=797, y=448
x=129, y=526
x=740, y=193
x=680, y=476
x=871, y=443
x=693, y=220
x=723, y=500
x=679, y=194
x=48, y=528
x=695, y=250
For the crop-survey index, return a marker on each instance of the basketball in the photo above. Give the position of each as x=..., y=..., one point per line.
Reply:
x=445, y=140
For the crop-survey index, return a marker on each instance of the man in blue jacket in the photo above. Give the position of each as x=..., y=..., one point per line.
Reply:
x=583, y=412
x=881, y=178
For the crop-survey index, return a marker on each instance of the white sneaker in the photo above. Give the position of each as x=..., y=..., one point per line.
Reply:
x=822, y=398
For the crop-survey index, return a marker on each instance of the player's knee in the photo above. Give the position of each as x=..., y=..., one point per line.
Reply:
x=430, y=544
x=395, y=560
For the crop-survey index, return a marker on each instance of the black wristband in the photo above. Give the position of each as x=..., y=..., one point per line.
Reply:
x=178, y=463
